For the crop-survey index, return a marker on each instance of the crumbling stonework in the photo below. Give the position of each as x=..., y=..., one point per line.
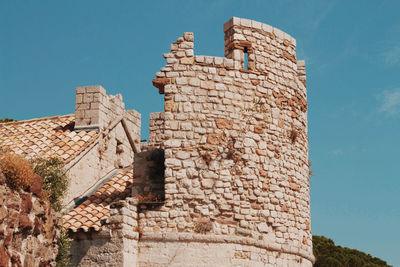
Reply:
x=27, y=227
x=119, y=137
x=116, y=243
x=157, y=128
x=148, y=169
x=236, y=177
x=236, y=153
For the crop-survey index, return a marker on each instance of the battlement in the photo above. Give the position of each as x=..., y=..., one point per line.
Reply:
x=224, y=177
x=262, y=45
x=94, y=109
x=234, y=134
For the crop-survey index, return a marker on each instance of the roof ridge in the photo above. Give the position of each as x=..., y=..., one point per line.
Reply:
x=37, y=119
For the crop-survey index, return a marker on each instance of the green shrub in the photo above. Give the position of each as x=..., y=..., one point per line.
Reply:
x=55, y=181
x=64, y=245
x=6, y=120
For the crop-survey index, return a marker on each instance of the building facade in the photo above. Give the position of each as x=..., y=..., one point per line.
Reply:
x=224, y=177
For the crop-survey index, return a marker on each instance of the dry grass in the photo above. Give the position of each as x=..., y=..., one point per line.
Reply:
x=293, y=135
x=17, y=170
x=206, y=157
x=203, y=226
x=149, y=197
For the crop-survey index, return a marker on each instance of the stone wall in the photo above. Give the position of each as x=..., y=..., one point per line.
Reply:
x=236, y=145
x=27, y=227
x=157, y=130
x=148, y=173
x=111, y=151
x=198, y=250
x=95, y=109
x=115, y=245
x=119, y=137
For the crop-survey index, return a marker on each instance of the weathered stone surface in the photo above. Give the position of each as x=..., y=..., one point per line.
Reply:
x=115, y=244
x=97, y=111
x=187, y=60
x=24, y=223
x=207, y=183
x=2, y=178
x=26, y=203
x=236, y=122
x=38, y=226
x=36, y=186
x=263, y=227
x=228, y=160
x=3, y=213
x=4, y=257
x=258, y=129
x=224, y=124
x=160, y=83
x=19, y=245
x=13, y=201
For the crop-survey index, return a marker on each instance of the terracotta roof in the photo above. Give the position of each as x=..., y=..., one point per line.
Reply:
x=96, y=209
x=46, y=137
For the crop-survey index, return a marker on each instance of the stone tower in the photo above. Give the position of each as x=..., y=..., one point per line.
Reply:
x=234, y=136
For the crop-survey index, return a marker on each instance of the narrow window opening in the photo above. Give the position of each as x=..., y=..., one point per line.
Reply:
x=149, y=177
x=246, y=58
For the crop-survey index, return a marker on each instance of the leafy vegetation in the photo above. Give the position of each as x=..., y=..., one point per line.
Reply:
x=6, y=120
x=330, y=255
x=55, y=181
x=55, y=184
x=20, y=173
x=64, y=244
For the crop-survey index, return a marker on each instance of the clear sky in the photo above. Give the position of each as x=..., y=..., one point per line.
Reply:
x=352, y=53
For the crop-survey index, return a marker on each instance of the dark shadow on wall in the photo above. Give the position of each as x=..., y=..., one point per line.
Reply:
x=148, y=182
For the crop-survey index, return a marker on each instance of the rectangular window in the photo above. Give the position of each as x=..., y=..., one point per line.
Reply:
x=246, y=58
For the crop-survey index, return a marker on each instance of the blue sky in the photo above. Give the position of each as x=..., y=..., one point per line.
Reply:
x=352, y=53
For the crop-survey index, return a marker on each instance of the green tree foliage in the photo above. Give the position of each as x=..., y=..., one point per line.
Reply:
x=330, y=255
x=64, y=245
x=55, y=185
x=6, y=120
x=55, y=181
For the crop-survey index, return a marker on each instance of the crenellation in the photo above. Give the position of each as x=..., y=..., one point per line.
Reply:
x=95, y=109
x=224, y=178
x=118, y=139
x=233, y=136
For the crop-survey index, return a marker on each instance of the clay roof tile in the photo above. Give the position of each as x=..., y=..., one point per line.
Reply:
x=96, y=208
x=44, y=137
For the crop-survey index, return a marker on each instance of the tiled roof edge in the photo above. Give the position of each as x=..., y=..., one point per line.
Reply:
x=36, y=119
x=93, y=188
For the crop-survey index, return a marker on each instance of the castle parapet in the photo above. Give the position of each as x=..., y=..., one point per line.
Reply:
x=236, y=154
x=94, y=109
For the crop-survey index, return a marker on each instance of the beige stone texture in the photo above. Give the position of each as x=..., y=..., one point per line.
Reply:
x=28, y=228
x=236, y=151
x=113, y=149
x=212, y=254
x=236, y=177
x=116, y=243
